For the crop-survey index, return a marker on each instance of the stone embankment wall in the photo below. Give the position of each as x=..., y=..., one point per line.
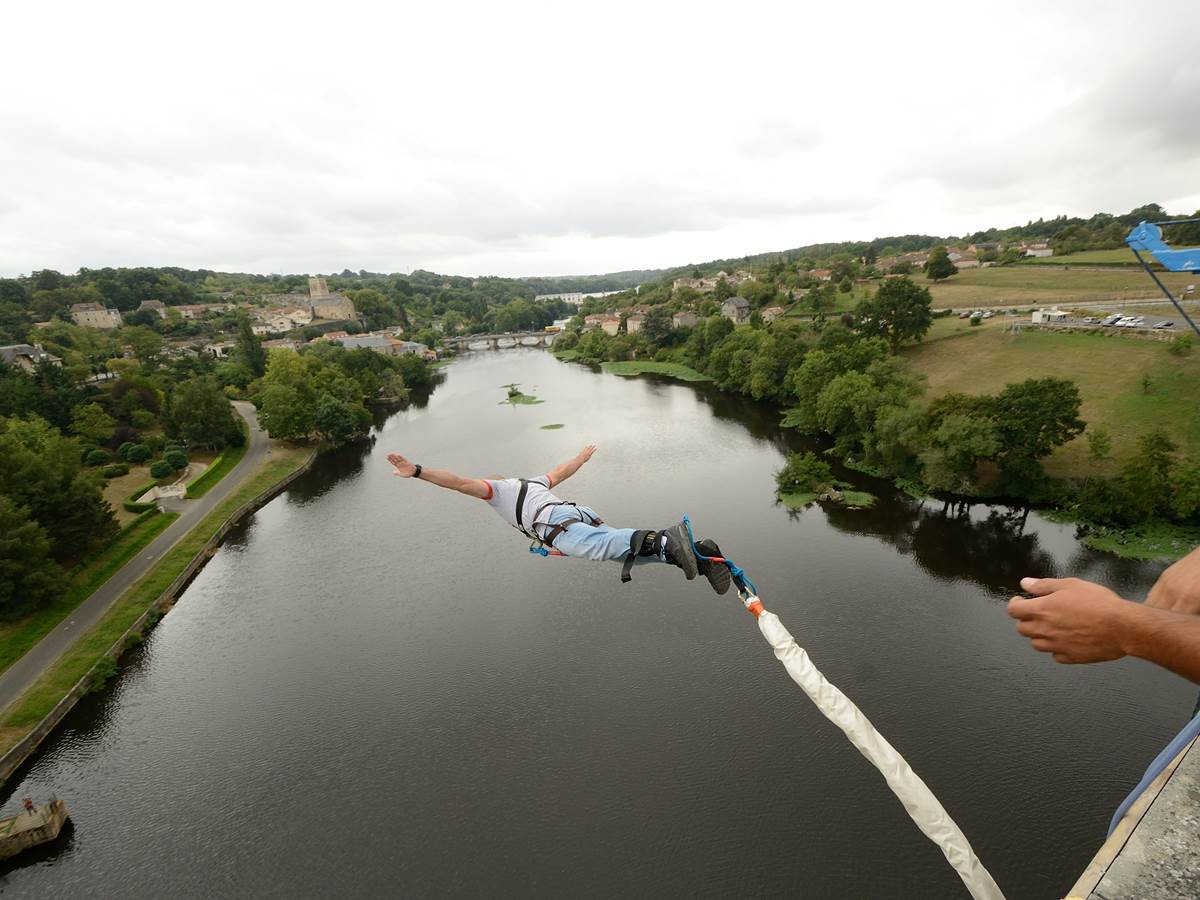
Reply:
x=20, y=752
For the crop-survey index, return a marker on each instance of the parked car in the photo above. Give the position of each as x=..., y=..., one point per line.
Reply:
x=964, y=314
x=1090, y=320
x=1164, y=324
x=987, y=313
x=1112, y=320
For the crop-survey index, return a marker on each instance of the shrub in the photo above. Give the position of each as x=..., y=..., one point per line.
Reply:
x=138, y=453
x=804, y=473
x=172, y=445
x=96, y=457
x=976, y=320
x=176, y=459
x=123, y=450
x=1180, y=345
x=161, y=469
x=115, y=470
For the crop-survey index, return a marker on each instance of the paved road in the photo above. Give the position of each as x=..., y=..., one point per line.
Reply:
x=21, y=674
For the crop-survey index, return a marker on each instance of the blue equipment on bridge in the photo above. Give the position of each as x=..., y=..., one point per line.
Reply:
x=1147, y=237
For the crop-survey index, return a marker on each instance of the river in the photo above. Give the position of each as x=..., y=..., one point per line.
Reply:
x=374, y=690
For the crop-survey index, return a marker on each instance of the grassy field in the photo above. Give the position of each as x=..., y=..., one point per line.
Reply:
x=649, y=367
x=1028, y=285
x=1122, y=256
x=18, y=636
x=1108, y=370
x=117, y=489
x=33, y=705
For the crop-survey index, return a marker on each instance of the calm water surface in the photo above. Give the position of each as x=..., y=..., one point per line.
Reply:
x=374, y=690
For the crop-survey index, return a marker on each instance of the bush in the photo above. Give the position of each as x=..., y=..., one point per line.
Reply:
x=804, y=473
x=96, y=457
x=161, y=469
x=116, y=470
x=1180, y=345
x=170, y=446
x=123, y=450
x=138, y=453
x=176, y=459
x=976, y=320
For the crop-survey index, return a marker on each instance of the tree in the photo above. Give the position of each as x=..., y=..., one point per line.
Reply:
x=199, y=412
x=658, y=326
x=334, y=419
x=938, y=265
x=40, y=470
x=956, y=448
x=724, y=290
x=1099, y=444
x=285, y=413
x=899, y=311
x=147, y=344
x=250, y=350
x=1037, y=415
x=29, y=576
x=92, y=422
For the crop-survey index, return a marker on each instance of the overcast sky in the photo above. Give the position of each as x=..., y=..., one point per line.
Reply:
x=565, y=138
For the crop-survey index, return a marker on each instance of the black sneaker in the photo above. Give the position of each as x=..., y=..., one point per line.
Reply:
x=677, y=549
x=716, y=573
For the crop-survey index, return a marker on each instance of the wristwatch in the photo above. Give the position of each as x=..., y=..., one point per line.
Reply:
x=417, y=474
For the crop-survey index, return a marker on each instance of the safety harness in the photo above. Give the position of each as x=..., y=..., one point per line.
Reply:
x=540, y=544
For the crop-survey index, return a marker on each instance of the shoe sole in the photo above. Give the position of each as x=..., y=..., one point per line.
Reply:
x=717, y=573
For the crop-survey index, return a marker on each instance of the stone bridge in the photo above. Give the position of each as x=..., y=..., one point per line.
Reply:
x=503, y=341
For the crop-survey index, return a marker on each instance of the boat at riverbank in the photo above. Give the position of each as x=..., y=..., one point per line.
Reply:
x=30, y=827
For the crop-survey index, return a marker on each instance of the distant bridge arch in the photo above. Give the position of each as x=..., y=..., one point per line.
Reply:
x=502, y=341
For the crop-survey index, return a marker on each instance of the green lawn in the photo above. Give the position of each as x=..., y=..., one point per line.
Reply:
x=650, y=367
x=1029, y=285
x=1108, y=370
x=18, y=636
x=33, y=705
x=1122, y=256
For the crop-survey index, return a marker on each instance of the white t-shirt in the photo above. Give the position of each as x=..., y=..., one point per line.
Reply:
x=504, y=493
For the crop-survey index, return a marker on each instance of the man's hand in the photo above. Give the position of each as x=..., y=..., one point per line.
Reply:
x=402, y=466
x=1076, y=620
x=1178, y=588
x=586, y=453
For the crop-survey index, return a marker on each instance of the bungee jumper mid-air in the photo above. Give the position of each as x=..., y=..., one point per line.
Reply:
x=563, y=528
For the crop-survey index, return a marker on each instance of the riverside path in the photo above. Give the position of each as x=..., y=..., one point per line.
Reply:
x=26, y=670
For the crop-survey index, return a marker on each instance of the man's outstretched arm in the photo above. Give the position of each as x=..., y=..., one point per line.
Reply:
x=1082, y=622
x=561, y=473
x=472, y=487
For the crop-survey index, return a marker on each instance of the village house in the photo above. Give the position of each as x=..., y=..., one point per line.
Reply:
x=93, y=315
x=219, y=350
x=1040, y=248
x=685, y=319
x=380, y=343
x=771, y=313
x=154, y=306
x=737, y=310
x=200, y=310
x=325, y=304
x=609, y=323
x=822, y=274
x=634, y=323
x=27, y=356
x=707, y=285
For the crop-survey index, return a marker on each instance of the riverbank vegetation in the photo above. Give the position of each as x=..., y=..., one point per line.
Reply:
x=653, y=367
x=942, y=418
x=20, y=718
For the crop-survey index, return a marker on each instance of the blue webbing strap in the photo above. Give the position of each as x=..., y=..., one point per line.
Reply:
x=1190, y=730
x=745, y=585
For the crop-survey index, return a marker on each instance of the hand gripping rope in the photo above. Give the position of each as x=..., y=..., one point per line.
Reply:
x=919, y=802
